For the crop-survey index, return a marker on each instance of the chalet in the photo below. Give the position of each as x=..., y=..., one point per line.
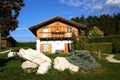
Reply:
x=8, y=41
x=54, y=35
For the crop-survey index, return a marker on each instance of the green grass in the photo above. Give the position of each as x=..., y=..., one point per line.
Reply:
x=4, y=49
x=117, y=56
x=10, y=69
x=105, y=47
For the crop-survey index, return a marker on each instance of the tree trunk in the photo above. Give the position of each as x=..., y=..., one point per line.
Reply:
x=0, y=43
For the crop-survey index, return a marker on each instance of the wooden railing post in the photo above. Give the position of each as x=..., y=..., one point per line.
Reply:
x=99, y=54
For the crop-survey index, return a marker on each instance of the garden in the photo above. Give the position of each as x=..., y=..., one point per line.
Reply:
x=10, y=69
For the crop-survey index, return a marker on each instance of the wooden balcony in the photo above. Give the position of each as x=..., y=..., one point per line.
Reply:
x=55, y=35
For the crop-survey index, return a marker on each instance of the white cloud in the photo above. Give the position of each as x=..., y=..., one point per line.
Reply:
x=115, y=3
x=22, y=29
x=86, y=7
x=74, y=3
x=98, y=7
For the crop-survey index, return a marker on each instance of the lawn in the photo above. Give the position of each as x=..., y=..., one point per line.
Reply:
x=10, y=69
x=117, y=56
x=105, y=47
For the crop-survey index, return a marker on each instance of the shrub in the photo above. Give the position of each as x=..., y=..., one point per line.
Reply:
x=103, y=39
x=116, y=46
x=105, y=47
x=80, y=42
x=83, y=59
x=25, y=44
x=95, y=32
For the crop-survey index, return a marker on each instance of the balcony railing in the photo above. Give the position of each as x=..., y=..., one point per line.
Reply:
x=55, y=35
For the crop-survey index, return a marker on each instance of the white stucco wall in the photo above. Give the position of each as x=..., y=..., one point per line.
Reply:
x=56, y=45
x=38, y=45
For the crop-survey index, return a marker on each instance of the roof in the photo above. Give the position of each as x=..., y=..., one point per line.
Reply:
x=34, y=28
x=9, y=38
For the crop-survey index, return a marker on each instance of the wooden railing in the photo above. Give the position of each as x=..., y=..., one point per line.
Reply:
x=55, y=35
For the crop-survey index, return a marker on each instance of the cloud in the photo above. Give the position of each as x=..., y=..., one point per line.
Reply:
x=114, y=3
x=91, y=7
x=22, y=29
x=74, y=3
x=98, y=7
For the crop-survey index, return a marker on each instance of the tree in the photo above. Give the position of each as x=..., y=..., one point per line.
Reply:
x=82, y=20
x=79, y=43
x=95, y=32
x=74, y=42
x=9, y=11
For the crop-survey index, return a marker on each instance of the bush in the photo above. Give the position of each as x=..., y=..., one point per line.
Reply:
x=26, y=44
x=116, y=46
x=80, y=42
x=83, y=59
x=103, y=39
x=105, y=47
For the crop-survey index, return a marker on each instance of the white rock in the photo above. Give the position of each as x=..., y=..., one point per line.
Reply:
x=38, y=60
x=12, y=54
x=21, y=52
x=28, y=65
x=39, y=55
x=61, y=63
x=73, y=68
x=43, y=68
x=33, y=56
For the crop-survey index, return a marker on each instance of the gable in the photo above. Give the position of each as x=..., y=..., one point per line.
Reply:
x=54, y=21
x=56, y=25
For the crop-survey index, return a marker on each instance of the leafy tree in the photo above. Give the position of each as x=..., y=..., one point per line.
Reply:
x=74, y=42
x=80, y=42
x=9, y=11
x=95, y=32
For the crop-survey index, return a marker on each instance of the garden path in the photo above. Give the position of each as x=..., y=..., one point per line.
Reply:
x=5, y=51
x=111, y=58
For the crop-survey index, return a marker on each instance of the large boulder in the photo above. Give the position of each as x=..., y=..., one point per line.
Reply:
x=43, y=68
x=33, y=56
x=28, y=66
x=39, y=55
x=61, y=63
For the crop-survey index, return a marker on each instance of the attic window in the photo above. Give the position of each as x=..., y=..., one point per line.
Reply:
x=69, y=29
x=45, y=30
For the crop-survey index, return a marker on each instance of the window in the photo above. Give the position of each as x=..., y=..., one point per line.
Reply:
x=45, y=30
x=45, y=48
x=69, y=29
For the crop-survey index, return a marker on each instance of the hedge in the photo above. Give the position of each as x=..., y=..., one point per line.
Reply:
x=105, y=47
x=26, y=44
x=104, y=39
x=116, y=46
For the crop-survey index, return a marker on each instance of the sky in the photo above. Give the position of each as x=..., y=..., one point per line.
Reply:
x=37, y=11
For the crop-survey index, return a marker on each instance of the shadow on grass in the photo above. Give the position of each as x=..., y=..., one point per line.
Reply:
x=3, y=62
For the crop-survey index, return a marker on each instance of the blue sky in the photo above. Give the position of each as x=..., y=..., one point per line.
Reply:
x=36, y=11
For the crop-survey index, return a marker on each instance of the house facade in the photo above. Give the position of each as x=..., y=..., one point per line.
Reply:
x=54, y=35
